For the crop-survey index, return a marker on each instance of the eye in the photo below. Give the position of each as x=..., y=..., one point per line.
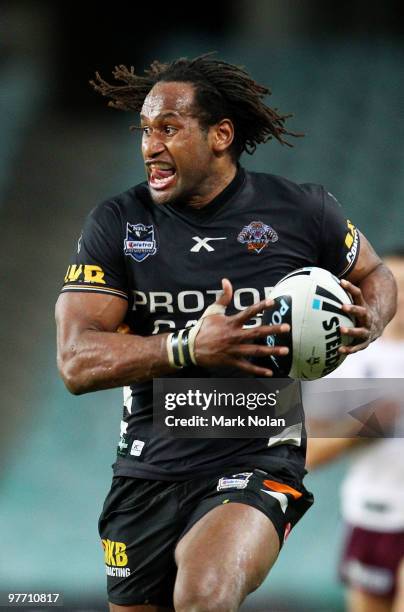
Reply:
x=146, y=130
x=170, y=130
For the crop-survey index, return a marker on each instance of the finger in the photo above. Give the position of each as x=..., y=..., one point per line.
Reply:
x=258, y=350
x=356, y=332
x=251, y=311
x=265, y=330
x=358, y=311
x=247, y=366
x=224, y=298
x=353, y=290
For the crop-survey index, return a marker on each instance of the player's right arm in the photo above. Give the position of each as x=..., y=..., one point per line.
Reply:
x=91, y=356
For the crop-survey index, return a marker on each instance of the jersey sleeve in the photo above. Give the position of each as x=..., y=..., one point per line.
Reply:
x=98, y=263
x=339, y=243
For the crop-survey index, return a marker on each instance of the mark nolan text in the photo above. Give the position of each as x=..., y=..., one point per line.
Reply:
x=250, y=420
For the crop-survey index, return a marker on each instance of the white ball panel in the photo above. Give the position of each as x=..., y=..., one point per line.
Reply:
x=316, y=320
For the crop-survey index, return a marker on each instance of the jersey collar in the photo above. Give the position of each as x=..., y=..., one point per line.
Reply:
x=217, y=203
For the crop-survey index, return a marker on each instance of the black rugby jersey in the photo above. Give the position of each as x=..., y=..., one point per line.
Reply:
x=168, y=260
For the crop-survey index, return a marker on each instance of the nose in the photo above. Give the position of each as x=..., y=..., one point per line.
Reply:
x=152, y=145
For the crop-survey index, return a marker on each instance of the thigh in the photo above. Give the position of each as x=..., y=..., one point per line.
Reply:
x=139, y=528
x=233, y=542
x=223, y=557
x=233, y=537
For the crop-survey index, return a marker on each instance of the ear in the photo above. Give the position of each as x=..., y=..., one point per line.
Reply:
x=222, y=135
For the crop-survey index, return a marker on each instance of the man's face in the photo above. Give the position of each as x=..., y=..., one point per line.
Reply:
x=176, y=151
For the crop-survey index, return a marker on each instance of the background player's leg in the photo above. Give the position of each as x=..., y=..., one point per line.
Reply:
x=398, y=605
x=116, y=608
x=360, y=601
x=223, y=557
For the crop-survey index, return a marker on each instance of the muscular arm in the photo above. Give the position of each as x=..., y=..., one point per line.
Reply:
x=374, y=292
x=91, y=356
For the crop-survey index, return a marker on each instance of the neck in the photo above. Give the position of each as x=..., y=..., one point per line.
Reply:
x=215, y=184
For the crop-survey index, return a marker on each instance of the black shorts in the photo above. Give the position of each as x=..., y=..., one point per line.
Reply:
x=143, y=520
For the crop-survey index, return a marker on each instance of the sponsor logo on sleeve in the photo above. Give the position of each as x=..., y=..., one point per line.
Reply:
x=351, y=242
x=256, y=235
x=85, y=273
x=140, y=241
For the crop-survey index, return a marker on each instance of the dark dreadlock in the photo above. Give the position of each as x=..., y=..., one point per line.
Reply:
x=222, y=90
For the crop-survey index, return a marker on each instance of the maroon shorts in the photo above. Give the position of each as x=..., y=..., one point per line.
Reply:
x=371, y=559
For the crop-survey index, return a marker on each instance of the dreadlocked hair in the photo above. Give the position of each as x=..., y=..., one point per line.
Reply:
x=222, y=90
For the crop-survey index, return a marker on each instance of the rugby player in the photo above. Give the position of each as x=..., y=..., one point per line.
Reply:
x=197, y=524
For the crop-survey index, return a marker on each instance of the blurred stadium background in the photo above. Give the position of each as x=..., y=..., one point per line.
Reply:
x=337, y=67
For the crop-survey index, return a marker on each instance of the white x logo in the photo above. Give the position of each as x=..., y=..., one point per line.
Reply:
x=203, y=242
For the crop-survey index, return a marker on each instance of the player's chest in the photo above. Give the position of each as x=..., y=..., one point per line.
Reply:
x=175, y=267
x=251, y=249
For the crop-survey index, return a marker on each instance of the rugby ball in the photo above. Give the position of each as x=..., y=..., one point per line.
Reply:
x=310, y=300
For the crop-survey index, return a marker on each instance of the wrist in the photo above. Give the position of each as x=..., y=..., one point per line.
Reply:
x=180, y=348
x=377, y=324
x=181, y=344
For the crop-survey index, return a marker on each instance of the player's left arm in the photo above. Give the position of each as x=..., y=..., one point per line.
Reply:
x=374, y=293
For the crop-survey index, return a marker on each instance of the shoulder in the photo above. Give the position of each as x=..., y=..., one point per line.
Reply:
x=307, y=195
x=118, y=207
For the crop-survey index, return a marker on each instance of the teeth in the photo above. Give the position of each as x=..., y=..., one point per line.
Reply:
x=162, y=167
x=160, y=182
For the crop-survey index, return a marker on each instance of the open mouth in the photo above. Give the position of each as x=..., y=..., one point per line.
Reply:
x=161, y=176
